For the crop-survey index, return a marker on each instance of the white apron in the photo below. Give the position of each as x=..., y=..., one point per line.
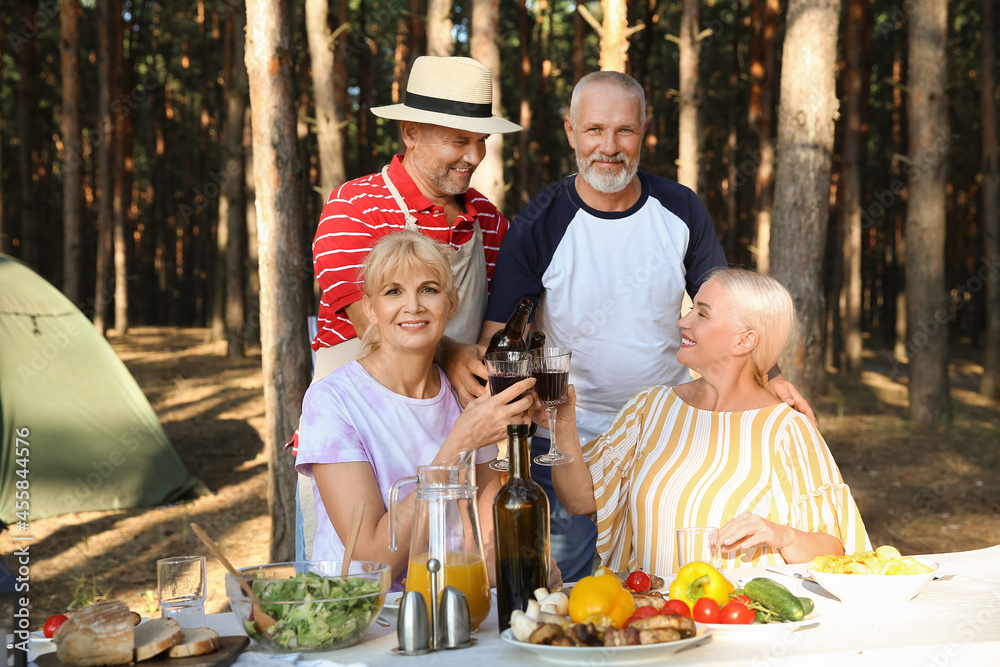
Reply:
x=468, y=270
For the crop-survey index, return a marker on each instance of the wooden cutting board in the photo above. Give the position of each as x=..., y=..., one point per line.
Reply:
x=222, y=657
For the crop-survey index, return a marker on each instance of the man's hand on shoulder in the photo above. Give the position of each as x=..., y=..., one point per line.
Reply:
x=463, y=364
x=786, y=391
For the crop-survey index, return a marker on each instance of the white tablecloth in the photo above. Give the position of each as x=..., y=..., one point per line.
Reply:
x=954, y=621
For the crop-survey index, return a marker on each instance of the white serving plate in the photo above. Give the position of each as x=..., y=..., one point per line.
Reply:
x=609, y=655
x=760, y=631
x=874, y=589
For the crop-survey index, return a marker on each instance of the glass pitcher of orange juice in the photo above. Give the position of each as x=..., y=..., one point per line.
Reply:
x=445, y=527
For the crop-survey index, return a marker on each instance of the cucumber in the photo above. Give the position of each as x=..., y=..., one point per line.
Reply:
x=807, y=605
x=776, y=598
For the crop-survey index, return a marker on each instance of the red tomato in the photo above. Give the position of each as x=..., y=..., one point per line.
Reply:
x=677, y=607
x=737, y=613
x=706, y=610
x=642, y=612
x=52, y=624
x=638, y=581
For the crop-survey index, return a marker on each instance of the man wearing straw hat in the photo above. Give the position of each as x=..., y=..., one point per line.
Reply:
x=444, y=121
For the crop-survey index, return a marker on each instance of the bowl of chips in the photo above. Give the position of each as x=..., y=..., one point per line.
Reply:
x=876, y=576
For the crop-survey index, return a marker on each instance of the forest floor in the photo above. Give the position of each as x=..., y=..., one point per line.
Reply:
x=922, y=490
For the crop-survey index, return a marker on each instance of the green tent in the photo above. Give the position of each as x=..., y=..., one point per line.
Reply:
x=78, y=433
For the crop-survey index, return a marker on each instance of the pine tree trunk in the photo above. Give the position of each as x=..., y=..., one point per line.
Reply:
x=232, y=208
x=321, y=50
x=802, y=188
x=524, y=186
x=540, y=123
x=926, y=297
x=439, y=27
x=579, y=61
x=69, y=41
x=109, y=17
x=689, y=134
x=898, y=205
x=614, y=37
x=730, y=234
x=990, y=384
x=122, y=185
x=283, y=260
x=855, y=85
x=764, y=188
x=484, y=47
x=28, y=132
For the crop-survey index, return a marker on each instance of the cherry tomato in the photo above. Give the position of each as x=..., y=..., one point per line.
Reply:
x=737, y=613
x=638, y=581
x=744, y=599
x=706, y=610
x=52, y=624
x=677, y=607
x=643, y=612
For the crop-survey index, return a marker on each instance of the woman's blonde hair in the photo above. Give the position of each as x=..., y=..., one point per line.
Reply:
x=763, y=305
x=397, y=254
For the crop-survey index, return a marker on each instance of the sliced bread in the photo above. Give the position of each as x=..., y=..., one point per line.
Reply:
x=197, y=641
x=101, y=634
x=156, y=636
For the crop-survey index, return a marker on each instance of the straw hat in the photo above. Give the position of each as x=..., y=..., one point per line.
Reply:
x=451, y=92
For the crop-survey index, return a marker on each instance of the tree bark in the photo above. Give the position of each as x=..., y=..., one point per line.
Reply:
x=926, y=297
x=524, y=186
x=283, y=261
x=764, y=187
x=232, y=208
x=122, y=180
x=109, y=17
x=614, y=36
x=321, y=55
x=855, y=98
x=439, y=27
x=990, y=384
x=730, y=234
x=689, y=133
x=72, y=139
x=484, y=47
x=802, y=190
x=28, y=131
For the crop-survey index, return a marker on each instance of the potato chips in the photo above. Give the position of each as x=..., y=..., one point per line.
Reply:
x=884, y=560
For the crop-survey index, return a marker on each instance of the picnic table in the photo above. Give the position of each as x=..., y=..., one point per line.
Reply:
x=955, y=620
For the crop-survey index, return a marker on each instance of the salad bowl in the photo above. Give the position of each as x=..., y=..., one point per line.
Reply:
x=314, y=607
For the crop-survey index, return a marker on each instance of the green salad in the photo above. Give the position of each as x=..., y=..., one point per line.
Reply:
x=327, y=613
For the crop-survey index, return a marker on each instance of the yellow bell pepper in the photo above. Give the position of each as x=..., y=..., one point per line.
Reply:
x=600, y=595
x=697, y=580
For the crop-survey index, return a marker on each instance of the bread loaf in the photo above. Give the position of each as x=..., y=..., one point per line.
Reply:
x=197, y=641
x=156, y=636
x=101, y=634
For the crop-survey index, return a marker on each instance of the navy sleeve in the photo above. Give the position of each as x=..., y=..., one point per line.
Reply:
x=704, y=251
x=527, y=251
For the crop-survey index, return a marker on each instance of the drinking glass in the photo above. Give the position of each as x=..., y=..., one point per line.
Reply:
x=698, y=544
x=502, y=370
x=550, y=368
x=181, y=582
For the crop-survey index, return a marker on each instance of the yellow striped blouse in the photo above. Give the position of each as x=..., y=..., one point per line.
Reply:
x=664, y=465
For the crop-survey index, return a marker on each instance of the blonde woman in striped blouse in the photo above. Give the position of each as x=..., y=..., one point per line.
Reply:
x=718, y=451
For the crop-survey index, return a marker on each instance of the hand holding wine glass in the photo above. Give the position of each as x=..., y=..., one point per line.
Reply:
x=550, y=368
x=504, y=369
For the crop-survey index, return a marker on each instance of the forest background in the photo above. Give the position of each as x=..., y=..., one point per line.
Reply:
x=164, y=162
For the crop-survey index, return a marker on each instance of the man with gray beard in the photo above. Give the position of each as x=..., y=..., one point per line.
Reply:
x=606, y=255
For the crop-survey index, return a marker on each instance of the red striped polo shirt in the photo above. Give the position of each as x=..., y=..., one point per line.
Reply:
x=362, y=211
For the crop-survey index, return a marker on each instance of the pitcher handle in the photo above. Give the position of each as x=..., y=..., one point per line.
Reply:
x=393, y=502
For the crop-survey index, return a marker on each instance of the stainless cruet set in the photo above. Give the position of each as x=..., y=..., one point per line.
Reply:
x=448, y=625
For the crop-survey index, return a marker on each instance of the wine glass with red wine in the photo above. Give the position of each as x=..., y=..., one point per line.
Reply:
x=550, y=368
x=504, y=369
